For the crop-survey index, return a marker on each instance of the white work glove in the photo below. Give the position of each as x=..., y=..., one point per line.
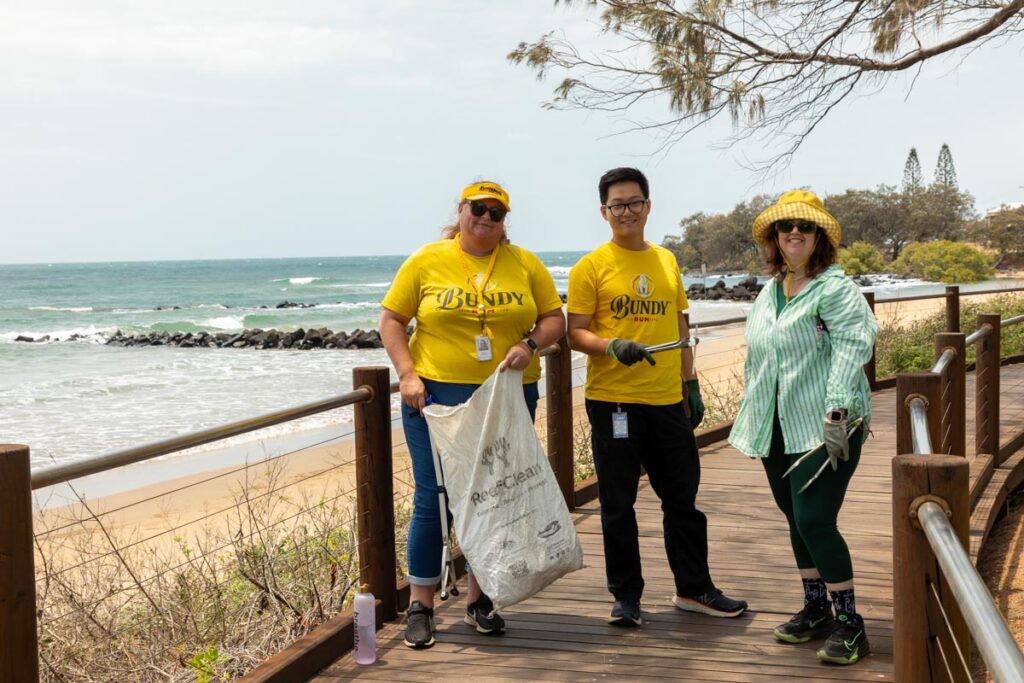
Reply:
x=837, y=443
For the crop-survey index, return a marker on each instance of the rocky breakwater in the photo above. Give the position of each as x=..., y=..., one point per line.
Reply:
x=746, y=290
x=300, y=339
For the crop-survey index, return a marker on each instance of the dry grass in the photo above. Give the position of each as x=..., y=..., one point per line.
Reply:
x=1001, y=565
x=206, y=608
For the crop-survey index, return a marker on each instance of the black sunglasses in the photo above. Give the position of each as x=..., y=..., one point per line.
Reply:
x=497, y=213
x=784, y=227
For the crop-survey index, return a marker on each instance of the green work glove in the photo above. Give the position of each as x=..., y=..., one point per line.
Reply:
x=695, y=401
x=628, y=352
x=837, y=443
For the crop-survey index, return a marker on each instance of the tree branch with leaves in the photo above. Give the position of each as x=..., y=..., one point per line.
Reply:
x=777, y=68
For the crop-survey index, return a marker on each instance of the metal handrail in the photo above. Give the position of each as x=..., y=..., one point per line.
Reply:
x=58, y=474
x=983, y=331
x=995, y=642
x=920, y=439
x=945, y=359
x=1012, y=321
x=922, y=297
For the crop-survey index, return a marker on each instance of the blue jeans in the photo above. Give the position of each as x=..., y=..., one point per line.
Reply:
x=424, y=549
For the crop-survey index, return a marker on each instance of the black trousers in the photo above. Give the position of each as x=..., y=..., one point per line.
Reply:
x=661, y=441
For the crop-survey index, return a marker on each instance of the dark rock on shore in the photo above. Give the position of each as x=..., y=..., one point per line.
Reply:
x=321, y=338
x=746, y=290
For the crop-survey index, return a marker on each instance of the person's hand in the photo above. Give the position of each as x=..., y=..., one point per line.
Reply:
x=837, y=443
x=414, y=394
x=628, y=352
x=517, y=358
x=696, y=402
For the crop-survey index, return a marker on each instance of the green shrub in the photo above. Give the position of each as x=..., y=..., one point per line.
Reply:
x=944, y=261
x=910, y=347
x=861, y=258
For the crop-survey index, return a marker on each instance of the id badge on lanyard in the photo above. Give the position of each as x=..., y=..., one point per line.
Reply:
x=483, y=348
x=620, y=424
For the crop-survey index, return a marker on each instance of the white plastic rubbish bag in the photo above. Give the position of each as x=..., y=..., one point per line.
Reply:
x=510, y=518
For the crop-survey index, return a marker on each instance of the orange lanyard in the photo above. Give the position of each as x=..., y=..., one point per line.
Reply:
x=481, y=309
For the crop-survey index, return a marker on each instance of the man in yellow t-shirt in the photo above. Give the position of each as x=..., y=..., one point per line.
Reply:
x=624, y=296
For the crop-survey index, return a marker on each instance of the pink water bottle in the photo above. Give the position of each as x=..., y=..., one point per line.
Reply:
x=366, y=626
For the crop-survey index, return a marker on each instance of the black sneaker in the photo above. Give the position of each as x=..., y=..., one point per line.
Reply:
x=847, y=643
x=714, y=603
x=481, y=616
x=813, y=621
x=626, y=613
x=419, y=626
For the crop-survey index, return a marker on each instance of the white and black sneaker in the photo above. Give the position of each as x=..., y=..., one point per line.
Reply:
x=482, y=616
x=419, y=626
x=626, y=613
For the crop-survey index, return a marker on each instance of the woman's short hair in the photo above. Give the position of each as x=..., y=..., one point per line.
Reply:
x=823, y=256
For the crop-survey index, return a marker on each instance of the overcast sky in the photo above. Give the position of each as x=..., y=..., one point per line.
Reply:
x=180, y=129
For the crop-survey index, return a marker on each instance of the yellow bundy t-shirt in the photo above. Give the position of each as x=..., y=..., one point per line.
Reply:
x=432, y=286
x=633, y=295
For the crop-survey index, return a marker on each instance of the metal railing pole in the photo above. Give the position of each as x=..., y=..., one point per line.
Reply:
x=952, y=308
x=1002, y=655
x=917, y=385
x=986, y=375
x=19, y=646
x=954, y=394
x=870, y=366
x=917, y=620
x=559, y=419
x=375, y=501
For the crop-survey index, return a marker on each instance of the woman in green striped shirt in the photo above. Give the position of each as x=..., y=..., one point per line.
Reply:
x=808, y=336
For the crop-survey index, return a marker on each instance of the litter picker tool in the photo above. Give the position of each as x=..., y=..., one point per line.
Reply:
x=686, y=342
x=829, y=460
x=447, y=558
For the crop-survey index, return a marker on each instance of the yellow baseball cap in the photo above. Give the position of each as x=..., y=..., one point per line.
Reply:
x=485, y=190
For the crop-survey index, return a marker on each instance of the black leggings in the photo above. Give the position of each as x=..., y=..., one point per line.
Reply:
x=817, y=543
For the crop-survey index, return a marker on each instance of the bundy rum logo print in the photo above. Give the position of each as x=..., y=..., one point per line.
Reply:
x=643, y=286
x=638, y=303
x=454, y=298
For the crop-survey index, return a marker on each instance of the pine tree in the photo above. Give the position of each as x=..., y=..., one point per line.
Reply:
x=945, y=172
x=912, y=176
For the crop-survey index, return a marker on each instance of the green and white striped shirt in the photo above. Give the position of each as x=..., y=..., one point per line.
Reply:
x=809, y=366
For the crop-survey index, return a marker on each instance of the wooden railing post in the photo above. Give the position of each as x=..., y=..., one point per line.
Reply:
x=954, y=394
x=928, y=386
x=869, y=367
x=558, y=369
x=952, y=308
x=917, y=621
x=375, y=501
x=986, y=377
x=19, y=647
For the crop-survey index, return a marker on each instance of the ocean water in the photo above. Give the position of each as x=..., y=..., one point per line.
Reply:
x=69, y=400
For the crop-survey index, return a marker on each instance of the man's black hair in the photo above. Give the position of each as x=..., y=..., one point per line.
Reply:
x=622, y=175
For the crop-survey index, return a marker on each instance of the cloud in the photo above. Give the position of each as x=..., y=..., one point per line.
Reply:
x=54, y=47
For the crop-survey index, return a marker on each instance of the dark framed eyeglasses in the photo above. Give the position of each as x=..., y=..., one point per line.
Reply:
x=787, y=226
x=618, y=210
x=496, y=213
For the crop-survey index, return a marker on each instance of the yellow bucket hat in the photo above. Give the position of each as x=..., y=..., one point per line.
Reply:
x=486, y=190
x=799, y=204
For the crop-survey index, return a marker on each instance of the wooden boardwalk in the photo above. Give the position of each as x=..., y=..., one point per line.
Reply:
x=561, y=633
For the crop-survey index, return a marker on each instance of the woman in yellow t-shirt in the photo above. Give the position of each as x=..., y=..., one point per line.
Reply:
x=480, y=304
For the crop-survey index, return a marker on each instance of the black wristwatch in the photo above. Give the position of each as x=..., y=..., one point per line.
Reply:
x=836, y=416
x=532, y=344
